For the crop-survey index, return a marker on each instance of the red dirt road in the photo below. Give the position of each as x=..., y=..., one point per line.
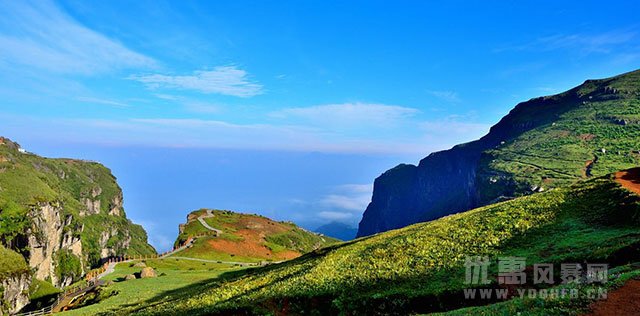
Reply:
x=629, y=179
x=623, y=301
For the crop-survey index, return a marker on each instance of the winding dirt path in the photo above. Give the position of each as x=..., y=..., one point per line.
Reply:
x=244, y=264
x=207, y=226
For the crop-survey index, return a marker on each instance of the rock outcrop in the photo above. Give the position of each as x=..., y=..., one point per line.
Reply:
x=49, y=234
x=115, y=207
x=15, y=280
x=15, y=292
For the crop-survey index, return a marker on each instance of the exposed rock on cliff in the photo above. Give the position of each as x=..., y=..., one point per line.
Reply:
x=15, y=292
x=47, y=235
x=15, y=279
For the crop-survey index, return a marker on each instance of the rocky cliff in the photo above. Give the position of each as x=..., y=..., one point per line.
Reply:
x=543, y=143
x=15, y=279
x=63, y=215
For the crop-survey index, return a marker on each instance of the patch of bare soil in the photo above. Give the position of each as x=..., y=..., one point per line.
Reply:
x=623, y=301
x=629, y=179
x=587, y=137
x=253, y=231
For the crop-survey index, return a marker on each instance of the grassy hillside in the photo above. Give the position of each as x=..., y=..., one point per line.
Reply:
x=11, y=263
x=173, y=274
x=30, y=183
x=591, y=130
x=420, y=268
x=246, y=238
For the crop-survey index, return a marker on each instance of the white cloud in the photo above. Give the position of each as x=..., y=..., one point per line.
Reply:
x=168, y=97
x=356, y=203
x=448, y=96
x=584, y=43
x=191, y=105
x=352, y=197
x=202, y=133
x=38, y=34
x=349, y=114
x=346, y=203
x=202, y=107
x=335, y=216
x=225, y=80
x=356, y=188
x=101, y=101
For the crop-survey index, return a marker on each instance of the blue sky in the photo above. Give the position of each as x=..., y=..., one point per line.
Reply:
x=290, y=108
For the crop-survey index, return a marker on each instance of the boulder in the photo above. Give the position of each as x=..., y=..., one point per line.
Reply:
x=140, y=265
x=130, y=277
x=148, y=272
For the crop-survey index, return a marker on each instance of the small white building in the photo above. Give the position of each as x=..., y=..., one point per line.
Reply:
x=22, y=150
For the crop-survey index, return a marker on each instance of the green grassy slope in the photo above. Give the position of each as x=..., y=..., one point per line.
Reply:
x=42, y=294
x=420, y=268
x=28, y=181
x=600, y=114
x=11, y=263
x=173, y=274
x=247, y=238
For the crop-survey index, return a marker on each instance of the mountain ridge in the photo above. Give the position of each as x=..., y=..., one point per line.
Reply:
x=338, y=230
x=468, y=176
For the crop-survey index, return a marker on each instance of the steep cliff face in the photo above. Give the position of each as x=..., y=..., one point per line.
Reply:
x=63, y=215
x=15, y=293
x=15, y=279
x=543, y=143
x=47, y=235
